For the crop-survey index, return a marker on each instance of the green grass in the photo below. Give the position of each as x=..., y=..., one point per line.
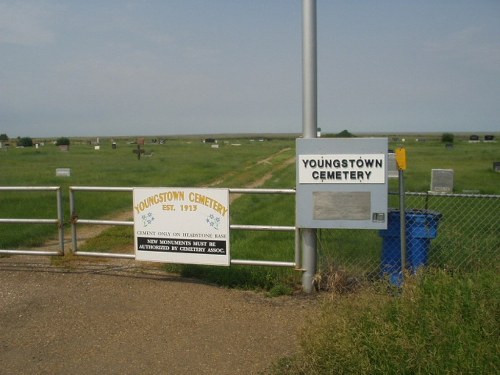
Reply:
x=472, y=164
x=442, y=323
x=182, y=163
x=188, y=162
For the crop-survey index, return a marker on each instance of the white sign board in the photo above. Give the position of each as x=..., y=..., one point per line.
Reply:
x=182, y=225
x=342, y=169
x=342, y=183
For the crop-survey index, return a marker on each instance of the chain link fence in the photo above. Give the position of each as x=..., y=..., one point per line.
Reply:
x=456, y=232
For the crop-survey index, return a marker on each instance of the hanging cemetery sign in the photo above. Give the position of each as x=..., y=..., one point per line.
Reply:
x=342, y=183
x=182, y=225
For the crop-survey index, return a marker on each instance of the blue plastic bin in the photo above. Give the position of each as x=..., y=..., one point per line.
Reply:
x=421, y=227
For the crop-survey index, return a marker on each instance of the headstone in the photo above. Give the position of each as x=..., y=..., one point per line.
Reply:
x=113, y=145
x=215, y=146
x=489, y=138
x=138, y=151
x=471, y=191
x=474, y=139
x=442, y=180
x=97, y=148
x=392, y=166
x=63, y=172
x=496, y=166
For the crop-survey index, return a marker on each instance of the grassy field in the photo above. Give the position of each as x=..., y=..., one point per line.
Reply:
x=441, y=322
x=189, y=162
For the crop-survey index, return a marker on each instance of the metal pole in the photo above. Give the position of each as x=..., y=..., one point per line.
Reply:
x=309, y=127
x=60, y=219
x=72, y=213
x=309, y=74
x=402, y=222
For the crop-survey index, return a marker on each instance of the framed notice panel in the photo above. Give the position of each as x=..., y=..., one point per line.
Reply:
x=182, y=225
x=342, y=183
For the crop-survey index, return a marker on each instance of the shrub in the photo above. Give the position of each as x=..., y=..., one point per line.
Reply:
x=63, y=141
x=441, y=323
x=344, y=134
x=447, y=138
x=25, y=142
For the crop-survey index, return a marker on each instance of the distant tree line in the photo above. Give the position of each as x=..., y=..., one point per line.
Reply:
x=28, y=141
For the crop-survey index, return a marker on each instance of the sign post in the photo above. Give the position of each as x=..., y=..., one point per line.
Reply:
x=309, y=127
x=401, y=163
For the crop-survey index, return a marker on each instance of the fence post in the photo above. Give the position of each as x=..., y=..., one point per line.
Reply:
x=73, y=219
x=60, y=219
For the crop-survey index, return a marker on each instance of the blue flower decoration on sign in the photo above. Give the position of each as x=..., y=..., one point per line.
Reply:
x=147, y=219
x=213, y=221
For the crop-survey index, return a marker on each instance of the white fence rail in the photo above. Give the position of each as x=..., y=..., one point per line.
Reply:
x=76, y=220
x=55, y=221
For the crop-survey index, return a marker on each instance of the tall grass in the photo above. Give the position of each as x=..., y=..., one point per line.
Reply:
x=442, y=323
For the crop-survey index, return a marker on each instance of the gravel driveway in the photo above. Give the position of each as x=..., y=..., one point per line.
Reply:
x=125, y=317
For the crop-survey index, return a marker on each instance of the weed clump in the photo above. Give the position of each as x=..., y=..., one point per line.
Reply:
x=440, y=323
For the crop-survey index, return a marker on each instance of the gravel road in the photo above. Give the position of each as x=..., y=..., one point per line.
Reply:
x=125, y=317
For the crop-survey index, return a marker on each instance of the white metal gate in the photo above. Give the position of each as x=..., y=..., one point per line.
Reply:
x=57, y=221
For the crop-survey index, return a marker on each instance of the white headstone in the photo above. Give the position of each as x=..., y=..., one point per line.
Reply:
x=392, y=166
x=63, y=172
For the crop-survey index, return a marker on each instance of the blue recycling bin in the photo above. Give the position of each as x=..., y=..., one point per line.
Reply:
x=421, y=227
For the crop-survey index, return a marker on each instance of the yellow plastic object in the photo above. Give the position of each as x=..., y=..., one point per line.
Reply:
x=401, y=158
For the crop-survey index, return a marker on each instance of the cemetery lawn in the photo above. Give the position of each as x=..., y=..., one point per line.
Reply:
x=442, y=322
x=237, y=162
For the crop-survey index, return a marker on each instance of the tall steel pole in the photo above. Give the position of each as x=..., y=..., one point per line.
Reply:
x=309, y=127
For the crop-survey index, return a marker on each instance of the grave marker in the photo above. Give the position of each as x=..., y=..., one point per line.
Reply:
x=63, y=172
x=496, y=166
x=442, y=180
x=489, y=138
x=474, y=139
x=392, y=167
x=138, y=151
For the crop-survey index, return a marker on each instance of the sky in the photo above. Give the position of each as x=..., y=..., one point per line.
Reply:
x=179, y=67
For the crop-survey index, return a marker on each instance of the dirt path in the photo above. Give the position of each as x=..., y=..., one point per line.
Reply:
x=118, y=317
x=86, y=316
